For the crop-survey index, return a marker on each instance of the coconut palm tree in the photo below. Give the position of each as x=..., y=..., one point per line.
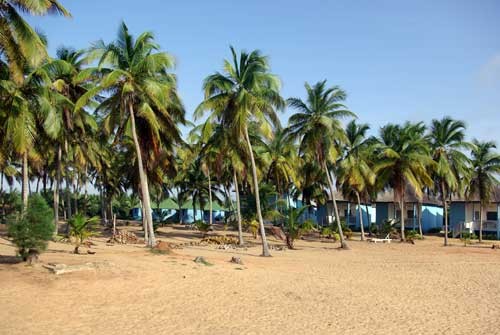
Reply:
x=19, y=42
x=318, y=128
x=142, y=100
x=403, y=161
x=245, y=92
x=485, y=167
x=355, y=172
x=68, y=127
x=447, y=139
x=282, y=160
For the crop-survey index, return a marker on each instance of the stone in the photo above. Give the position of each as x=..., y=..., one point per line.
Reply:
x=201, y=260
x=236, y=260
x=63, y=268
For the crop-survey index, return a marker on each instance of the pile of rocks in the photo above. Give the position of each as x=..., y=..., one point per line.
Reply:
x=124, y=237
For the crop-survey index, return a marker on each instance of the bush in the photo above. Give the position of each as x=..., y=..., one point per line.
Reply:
x=202, y=226
x=32, y=230
x=490, y=237
x=467, y=237
x=412, y=235
x=434, y=230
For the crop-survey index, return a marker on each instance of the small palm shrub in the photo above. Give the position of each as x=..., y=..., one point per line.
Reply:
x=294, y=229
x=31, y=231
x=467, y=237
x=252, y=226
x=412, y=236
x=202, y=226
x=81, y=229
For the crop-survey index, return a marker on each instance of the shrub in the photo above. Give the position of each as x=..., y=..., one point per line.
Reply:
x=434, y=230
x=31, y=231
x=202, y=226
x=467, y=237
x=252, y=227
x=81, y=229
x=412, y=235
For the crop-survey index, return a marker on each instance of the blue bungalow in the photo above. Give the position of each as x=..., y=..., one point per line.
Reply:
x=348, y=213
x=431, y=213
x=465, y=215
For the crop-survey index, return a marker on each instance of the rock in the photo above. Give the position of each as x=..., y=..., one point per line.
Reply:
x=236, y=260
x=63, y=268
x=201, y=260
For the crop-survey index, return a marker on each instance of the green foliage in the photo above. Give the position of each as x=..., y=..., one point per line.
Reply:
x=373, y=229
x=467, y=237
x=202, y=226
x=412, y=235
x=11, y=203
x=81, y=229
x=330, y=233
x=251, y=226
x=434, y=230
x=294, y=229
x=32, y=230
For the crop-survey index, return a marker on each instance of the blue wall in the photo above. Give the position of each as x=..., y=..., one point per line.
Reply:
x=432, y=217
x=457, y=213
x=382, y=212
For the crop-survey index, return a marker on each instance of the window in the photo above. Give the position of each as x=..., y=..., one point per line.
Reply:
x=410, y=213
x=491, y=216
x=476, y=215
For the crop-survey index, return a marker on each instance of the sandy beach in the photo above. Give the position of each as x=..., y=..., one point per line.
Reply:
x=372, y=289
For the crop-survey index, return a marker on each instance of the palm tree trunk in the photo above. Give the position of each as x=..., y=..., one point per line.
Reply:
x=402, y=208
x=343, y=243
x=445, y=212
x=420, y=230
x=86, y=190
x=144, y=223
x=209, y=197
x=76, y=190
x=144, y=181
x=265, y=247
x=25, y=181
x=57, y=183
x=37, y=185
x=480, y=222
x=360, y=211
x=238, y=209
x=3, y=197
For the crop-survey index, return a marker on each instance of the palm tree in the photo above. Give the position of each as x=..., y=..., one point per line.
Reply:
x=485, y=168
x=403, y=162
x=355, y=172
x=68, y=127
x=447, y=138
x=317, y=126
x=142, y=100
x=19, y=42
x=282, y=156
x=245, y=92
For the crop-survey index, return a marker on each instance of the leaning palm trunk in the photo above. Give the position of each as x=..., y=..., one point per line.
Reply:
x=210, y=208
x=343, y=243
x=144, y=181
x=57, y=184
x=25, y=181
x=265, y=247
x=360, y=211
x=238, y=210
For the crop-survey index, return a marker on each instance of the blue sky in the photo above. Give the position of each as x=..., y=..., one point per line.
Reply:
x=397, y=60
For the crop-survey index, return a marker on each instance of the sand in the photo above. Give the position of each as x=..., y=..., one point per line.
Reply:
x=372, y=289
